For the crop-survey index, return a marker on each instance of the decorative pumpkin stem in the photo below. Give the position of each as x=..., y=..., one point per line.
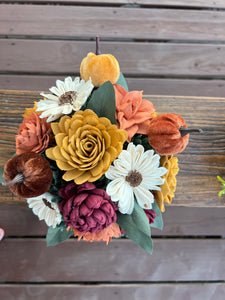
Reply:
x=17, y=179
x=184, y=130
x=97, y=46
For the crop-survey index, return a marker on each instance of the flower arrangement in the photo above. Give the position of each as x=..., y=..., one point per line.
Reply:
x=94, y=160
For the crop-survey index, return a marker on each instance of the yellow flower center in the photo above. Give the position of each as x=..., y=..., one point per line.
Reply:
x=67, y=98
x=134, y=178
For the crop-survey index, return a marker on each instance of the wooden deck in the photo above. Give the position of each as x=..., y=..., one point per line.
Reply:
x=172, y=48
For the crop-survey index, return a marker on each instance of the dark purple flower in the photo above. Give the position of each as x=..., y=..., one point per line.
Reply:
x=87, y=208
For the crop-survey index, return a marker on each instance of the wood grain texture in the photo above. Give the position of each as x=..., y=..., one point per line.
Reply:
x=151, y=86
x=24, y=260
x=168, y=3
x=113, y=291
x=19, y=220
x=199, y=164
x=153, y=24
x=136, y=59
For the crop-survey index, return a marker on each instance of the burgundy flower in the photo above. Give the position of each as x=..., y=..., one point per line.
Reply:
x=151, y=215
x=86, y=208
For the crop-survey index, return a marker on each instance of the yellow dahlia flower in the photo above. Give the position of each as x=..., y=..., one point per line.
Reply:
x=168, y=188
x=86, y=146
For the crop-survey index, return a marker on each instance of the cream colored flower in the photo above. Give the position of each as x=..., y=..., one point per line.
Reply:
x=43, y=207
x=66, y=97
x=135, y=174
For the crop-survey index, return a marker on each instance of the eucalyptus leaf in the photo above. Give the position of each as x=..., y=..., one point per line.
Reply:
x=1, y=175
x=103, y=102
x=136, y=227
x=158, y=222
x=122, y=82
x=57, y=235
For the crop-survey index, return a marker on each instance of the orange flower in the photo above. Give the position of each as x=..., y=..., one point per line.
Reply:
x=132, y=112
x=33, y=135
x=113, y=230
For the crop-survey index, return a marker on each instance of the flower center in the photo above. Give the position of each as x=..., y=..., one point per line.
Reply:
x=67, y=98
x=48, y=204
x=134, y=178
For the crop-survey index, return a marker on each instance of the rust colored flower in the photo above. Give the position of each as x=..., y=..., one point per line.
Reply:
x=105, y=235
x=86, y=146
x=132, y=112
x=168, y=188
x=28, y=175
x=168, y=134
x=33, y=136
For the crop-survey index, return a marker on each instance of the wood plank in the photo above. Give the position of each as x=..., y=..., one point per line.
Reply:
x=155, y=3
x=135, y=59
x=151, y=86
x=113, y=291
x=153, y=24
x=18, y=220
x=25, y=260
x=199, y=164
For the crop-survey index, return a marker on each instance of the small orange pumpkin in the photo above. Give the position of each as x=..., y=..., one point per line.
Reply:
x=168, y=134
x=99, y=67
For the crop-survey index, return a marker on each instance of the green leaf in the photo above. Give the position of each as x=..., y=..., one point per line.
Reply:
x=57, y=235
x=1, y=175
x=158, y=222
x=122, y=82
x=136, y=227
x=103, y=102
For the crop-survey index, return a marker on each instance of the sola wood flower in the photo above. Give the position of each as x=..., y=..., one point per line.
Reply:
x=33, y=135
x=135, y=172
x=86, y=146
x=168, y=134
x=43, y=207
x=66, y=97
x=86, y=208
x=168, y=188
x=132, y=112
x=113, y=230
x=28, y=175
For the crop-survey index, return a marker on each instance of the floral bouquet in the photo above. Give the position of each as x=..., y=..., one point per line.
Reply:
x=94, y=160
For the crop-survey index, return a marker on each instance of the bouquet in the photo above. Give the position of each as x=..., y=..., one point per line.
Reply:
x=95, y=160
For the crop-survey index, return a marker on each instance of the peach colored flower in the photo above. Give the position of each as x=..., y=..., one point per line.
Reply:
x=33, y=135
x=132, y=112
x=113, y=230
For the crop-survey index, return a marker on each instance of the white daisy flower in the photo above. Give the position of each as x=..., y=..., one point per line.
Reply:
x=66, y=97
x=43, y=207
x=135, y=173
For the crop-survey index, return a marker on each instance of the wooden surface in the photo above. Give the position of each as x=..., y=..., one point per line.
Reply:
x=199, y=164
x=166, y=47
x=169, y=47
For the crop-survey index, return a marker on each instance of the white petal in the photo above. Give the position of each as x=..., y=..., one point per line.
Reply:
x=61, y=87
x=68, y=84
x=50, y=97
x=144, y=197
x=55, y=91
x=114, y=189
x=126, y=204
x=67, y=109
